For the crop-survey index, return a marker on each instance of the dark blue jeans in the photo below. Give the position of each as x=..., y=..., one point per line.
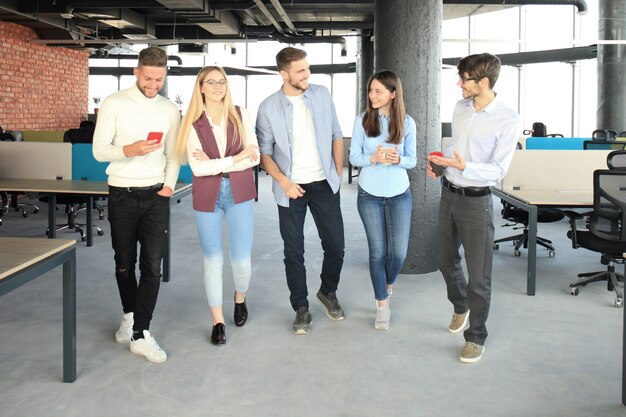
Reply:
x=387, y=222
x=467, y=221
x=138, y=217
x=326, y=212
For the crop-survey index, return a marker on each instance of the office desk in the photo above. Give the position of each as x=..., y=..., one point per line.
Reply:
x=87, y=189
x=24, y=259
x=528, y=200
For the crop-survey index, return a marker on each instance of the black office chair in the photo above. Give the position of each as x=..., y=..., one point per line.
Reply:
x=12, y=200
x=603, y=134
x=606, y=230
x=75, y=204
x=616, y=160
x=519, y=216
x=84, y=134
x=540, y=130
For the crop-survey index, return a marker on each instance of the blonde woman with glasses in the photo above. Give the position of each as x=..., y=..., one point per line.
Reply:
x=217, y=139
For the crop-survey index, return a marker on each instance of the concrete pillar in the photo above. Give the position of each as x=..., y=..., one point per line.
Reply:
x=364, y=69
x=611, y=63
x=408, y=41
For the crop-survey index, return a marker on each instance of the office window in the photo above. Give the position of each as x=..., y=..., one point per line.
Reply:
x=259, y=88
x=502, y=27
x=548, y=27
x=548, y=97
x=100, y=86
x=344, y=96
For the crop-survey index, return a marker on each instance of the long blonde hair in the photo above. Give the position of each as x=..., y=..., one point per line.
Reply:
x=196, y=108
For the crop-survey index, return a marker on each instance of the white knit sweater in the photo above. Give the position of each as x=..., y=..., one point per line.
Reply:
x=126, y=117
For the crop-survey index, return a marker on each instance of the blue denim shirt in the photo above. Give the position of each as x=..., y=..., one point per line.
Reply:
x=383, y=180
x=274, y=124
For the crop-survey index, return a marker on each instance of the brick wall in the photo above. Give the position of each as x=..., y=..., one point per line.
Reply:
x=41, y=87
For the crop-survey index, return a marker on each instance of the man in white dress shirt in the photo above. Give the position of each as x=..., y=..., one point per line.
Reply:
x=484, y=132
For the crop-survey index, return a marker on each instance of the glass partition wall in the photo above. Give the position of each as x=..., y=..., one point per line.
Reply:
x=562, y=95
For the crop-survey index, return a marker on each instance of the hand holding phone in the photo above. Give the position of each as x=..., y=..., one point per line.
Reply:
x=155, y=136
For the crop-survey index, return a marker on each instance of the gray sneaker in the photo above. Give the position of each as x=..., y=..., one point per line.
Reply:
x=471, y=352
x=302, y=323
x=459, y=321
x=331, y=305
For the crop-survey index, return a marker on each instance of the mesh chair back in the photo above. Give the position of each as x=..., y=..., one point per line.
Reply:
x=616, y=160
x=603, y=134
x=609, y=205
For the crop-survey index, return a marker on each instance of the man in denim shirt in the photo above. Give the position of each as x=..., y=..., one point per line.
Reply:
x=302, y=149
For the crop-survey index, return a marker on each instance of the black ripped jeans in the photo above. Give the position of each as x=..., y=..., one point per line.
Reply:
x=138, y=216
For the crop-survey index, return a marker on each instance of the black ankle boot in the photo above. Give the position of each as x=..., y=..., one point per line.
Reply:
x=241, y=314
x=218, y=336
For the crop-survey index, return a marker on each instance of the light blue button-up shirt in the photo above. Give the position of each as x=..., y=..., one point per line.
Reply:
x=274, y=124
x=383, y=180
x=486, y=140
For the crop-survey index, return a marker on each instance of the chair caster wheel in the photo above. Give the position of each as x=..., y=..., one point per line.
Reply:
x=574, y=291
x=100, y=233
x=24, y=214
x=517, y=253
x=496, y=246
x=551, y=254
x=35, y=211
x=619, y=302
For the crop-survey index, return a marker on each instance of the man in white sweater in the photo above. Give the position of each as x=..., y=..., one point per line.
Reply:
x=136, y=133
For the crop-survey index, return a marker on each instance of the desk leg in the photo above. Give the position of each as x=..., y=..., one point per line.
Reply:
x=532, y=250
x=90, y=221
x=69, y=318
x=624, y=355
x=52, y=216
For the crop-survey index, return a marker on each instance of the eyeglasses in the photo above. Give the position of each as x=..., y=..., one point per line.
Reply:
x=215, y=83
x=464, y=80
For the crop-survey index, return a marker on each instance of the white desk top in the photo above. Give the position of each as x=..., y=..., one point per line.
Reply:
x=17, y=253
x=65, y=186
x=557, y=198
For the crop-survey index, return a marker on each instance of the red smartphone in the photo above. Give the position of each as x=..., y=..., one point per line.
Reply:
x=155, y=136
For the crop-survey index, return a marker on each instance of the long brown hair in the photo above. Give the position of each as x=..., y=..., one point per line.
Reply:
x=196, y=108
x=397, y=113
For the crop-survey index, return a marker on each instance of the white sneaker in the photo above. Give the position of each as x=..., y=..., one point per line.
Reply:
x=125, y=332
x=383, y=316
x=149, y=348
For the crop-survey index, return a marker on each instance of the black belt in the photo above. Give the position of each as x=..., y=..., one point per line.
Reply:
x=465, y=191
x=135, y=189
x=225, y=175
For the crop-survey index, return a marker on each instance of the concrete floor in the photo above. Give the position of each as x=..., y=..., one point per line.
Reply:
x=547, y=355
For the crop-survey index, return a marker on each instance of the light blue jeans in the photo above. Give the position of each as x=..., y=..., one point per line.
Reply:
x=239, y=221
x=387, y=223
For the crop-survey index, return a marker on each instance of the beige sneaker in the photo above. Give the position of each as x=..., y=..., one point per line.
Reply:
x=383, y=316
x=459, y=322
x=471, y=352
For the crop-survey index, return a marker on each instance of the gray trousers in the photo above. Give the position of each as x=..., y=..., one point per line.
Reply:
x=467, y=221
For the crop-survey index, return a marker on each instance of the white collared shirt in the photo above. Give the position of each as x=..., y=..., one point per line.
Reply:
x=486, y=139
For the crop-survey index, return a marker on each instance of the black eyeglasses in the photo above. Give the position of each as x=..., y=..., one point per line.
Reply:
x=214, y=83
x=464, y=80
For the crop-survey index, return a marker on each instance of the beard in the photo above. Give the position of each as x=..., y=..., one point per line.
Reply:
x=145, y=93
x=301, y=86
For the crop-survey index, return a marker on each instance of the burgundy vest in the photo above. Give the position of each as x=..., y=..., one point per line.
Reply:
x=206, y=189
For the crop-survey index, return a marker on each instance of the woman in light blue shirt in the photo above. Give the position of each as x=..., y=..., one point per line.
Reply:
x=383, y=146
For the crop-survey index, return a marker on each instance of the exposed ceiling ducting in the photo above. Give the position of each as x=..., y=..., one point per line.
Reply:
x=80, y=22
